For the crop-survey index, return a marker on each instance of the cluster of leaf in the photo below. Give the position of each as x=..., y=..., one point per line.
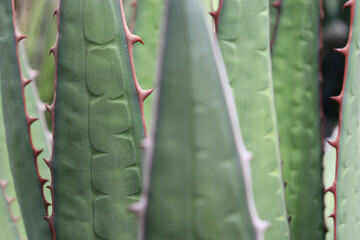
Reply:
x=218, y=65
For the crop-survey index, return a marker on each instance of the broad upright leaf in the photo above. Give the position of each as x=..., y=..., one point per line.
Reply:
x=22, y=154
x=243, y=35
x=346, y=185
x=98, y=125
x=296, y=84
x=10, y=210
x=197, y=183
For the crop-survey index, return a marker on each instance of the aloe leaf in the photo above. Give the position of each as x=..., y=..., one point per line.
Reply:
x=296, y=83
x=346, y=182
x=40, y=133
x=197, y=174
x=148, y=19
x=243, y=23
x=10, y=205
x=22, y=154
x=97, y=174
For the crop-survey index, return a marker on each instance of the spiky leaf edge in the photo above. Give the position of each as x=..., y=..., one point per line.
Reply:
x=131, y=39
x=29, y=119
x=340, y=99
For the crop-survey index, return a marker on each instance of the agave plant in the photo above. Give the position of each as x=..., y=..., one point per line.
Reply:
x=176, y=165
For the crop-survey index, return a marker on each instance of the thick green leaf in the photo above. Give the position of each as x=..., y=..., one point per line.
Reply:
x=348, y=187
x=39, y=141
x=296, y=84
x=40, y=134
x=243, y=35
x=98, y=126
x=20, y=151
x=199, y=186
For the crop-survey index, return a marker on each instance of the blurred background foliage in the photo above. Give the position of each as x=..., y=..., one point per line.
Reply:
x=36, y=21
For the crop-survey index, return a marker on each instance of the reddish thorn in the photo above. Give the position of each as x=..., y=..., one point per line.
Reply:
x=333, y=215
x=276, y=4
x=48, y=162
x=43, y=181
x=134, y=3
x=145, y=93
x=37, y=152
x=285, y=184
x=213, y=14
x=135, y=39
x=52, y=51
x=26, y=82
x=348, y=4
x=10, y=200
x=330, y=189
x=16, y=219
x=4, y=183
x=50, y=188
x=343, y=50
x=47, y=205
x=50, y=109
x=334, y=143
x=337, y=99
x=31, y=120
x=56, y=12
x=20, y=37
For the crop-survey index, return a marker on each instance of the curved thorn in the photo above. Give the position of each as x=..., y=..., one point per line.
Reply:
x=337, y=99
x=26, y=82
x=334, y=143
x=348, y=4
x=343, y=50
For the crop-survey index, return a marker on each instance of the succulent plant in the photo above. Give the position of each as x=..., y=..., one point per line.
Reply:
x=255, y=67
